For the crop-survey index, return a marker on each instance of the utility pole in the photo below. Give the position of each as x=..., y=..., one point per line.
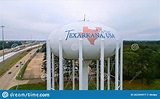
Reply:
x=3, y=45
x=84, y=17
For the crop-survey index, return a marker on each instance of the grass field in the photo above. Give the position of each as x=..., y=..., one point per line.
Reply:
x=134, y=85
x=11, y=63
x=39, y=86
x=21, y=73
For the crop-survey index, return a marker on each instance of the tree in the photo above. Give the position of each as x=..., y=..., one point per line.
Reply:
x=130, y=64
x=43, y=49
x=147, y=65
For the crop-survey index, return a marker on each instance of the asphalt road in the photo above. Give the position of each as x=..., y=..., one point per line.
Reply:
x=7, y=56
x=8, y=80
x=13, y=53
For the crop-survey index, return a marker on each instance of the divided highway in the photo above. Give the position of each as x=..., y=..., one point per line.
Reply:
x=13, y=53
x=8, y=79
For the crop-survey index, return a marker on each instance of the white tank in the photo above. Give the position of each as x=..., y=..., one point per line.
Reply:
x=91, y=35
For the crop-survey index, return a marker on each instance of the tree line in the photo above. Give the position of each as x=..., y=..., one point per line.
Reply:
x=8, y=44
x=144, y=63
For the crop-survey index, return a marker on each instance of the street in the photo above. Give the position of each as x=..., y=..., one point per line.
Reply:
x=13, y=53
x=8, y=80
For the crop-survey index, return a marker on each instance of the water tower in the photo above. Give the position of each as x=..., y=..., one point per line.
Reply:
x=85, y=41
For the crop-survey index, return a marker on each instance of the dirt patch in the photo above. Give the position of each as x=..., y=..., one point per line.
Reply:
x=33, y=69
x=33, y=81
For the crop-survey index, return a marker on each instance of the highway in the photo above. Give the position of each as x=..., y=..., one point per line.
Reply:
x=8, y=80
x=13, y=53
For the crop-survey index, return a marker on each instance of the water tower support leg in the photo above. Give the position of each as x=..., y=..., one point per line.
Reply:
x=85, y=74
x=116, y=67
x=97, y=74
x=80, y=65
x=53, y=82
x=48, y=66
x=60, y=66
x=108, y=73
x=121, y=67
x=102, y=64
x=73, y=73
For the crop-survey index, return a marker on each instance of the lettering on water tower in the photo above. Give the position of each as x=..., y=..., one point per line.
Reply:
x=90, y=34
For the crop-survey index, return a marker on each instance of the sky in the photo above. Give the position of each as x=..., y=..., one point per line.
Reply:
x=36, y=19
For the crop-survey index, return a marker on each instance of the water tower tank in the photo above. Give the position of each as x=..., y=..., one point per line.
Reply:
x=91, y=35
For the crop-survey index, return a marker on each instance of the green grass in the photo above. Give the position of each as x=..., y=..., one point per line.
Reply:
x=21, y=73
x=39, y=86
x=11, y=63
x=42, y=86
x=134, y=85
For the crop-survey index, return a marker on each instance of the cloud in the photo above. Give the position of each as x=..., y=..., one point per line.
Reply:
x=133, y=19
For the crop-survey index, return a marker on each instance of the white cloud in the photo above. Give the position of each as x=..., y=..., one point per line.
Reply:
x=131, y=18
